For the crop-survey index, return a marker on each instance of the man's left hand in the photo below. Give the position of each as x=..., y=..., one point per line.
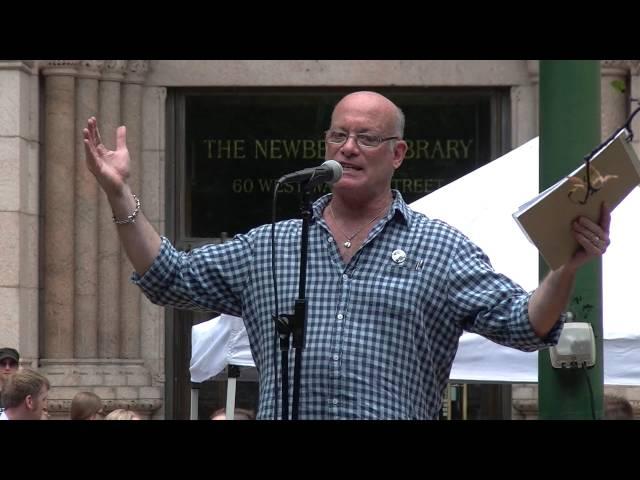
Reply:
x=592, y=237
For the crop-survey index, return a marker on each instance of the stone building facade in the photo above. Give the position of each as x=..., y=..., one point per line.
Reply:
x=66, y=302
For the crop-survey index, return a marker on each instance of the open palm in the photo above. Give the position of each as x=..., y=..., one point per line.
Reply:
x=110, y=167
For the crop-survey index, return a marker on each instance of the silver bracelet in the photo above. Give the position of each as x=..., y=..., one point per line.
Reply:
x=131, y=218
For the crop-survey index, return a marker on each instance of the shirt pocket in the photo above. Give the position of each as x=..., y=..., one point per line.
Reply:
x=409, y=268
x=403, y=288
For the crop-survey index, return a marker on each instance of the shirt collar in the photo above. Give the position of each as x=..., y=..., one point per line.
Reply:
x=399, y=208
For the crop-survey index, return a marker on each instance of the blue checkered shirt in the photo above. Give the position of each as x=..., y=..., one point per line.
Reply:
x=381, y=334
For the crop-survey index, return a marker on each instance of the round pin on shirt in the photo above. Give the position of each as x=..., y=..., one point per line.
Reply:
x=398, y=256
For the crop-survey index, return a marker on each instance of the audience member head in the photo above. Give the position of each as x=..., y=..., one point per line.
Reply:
x=238, y=414
x=617, y=408
x=25, y=395
x=122, y=414
x=9, y=360
x=86, y=406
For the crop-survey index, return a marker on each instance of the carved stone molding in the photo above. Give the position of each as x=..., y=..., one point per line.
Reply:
x=613, y=68
x=620, y=67
x=515, y=95
x=91, y=372
x=527, y=409
x=146, y=407
x=608, y=67
x=158, y=379
x=114, y=70
x=27, y=66
x=136, y=71
x=533, y=67
x=59, y=67
x=90, y=68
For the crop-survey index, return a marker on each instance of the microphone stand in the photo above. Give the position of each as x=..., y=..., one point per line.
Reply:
x=295, y=324
x=300, y=310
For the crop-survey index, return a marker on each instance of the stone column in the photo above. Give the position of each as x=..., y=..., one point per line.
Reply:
x=153, y=193
x=86, y=219
x=129, y=293
x=108, y=242
x=524, y=400
x=19, y=211
x=614, y=96
x=59, y=176
x=533, y=66
x=524, y=107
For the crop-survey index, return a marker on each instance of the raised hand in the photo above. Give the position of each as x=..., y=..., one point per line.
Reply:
x=110, y=167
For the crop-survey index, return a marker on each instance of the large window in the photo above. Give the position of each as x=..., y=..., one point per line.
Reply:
x=235, y=144
x=228, y=146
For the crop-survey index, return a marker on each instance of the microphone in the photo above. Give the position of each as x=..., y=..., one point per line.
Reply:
x=329, y=172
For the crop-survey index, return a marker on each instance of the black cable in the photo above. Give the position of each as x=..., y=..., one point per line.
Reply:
x=627, y=124
x=275, y=296
x=587, y=158
x=593, y=411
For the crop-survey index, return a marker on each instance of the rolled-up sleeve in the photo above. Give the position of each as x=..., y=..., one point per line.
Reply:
x=206, y=278
x=492, y=305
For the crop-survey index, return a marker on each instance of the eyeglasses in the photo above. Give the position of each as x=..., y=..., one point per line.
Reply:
x=365, y=140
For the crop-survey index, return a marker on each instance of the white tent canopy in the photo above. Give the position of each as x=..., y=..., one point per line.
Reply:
x=480, y=205
x=217, y=343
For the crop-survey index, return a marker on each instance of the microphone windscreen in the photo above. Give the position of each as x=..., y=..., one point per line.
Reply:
x=336, y=170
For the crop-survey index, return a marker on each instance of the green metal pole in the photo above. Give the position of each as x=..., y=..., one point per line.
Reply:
x=569, y=129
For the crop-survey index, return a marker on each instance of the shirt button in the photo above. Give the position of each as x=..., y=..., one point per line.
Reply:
x=336, y=357
x=334, y=401
x=345, y=277
x=340, y=316
x=330, y=239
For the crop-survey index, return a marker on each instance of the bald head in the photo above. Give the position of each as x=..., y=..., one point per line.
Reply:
x=388, y=114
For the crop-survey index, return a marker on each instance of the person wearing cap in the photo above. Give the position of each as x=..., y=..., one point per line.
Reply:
x=9, y=360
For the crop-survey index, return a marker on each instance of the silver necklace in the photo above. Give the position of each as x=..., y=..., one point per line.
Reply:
x=348, y=244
